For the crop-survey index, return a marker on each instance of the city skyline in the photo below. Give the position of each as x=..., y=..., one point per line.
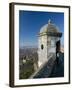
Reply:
x=30, y=23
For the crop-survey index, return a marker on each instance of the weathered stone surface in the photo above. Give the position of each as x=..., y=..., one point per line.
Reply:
x=51, y=68
x=45, y=70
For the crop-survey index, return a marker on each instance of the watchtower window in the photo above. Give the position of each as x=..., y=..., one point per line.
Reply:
x=42, y=46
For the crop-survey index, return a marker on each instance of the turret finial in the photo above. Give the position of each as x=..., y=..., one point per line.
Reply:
x=49, y=21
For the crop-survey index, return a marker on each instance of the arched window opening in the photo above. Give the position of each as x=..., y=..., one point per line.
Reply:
x=42, y=46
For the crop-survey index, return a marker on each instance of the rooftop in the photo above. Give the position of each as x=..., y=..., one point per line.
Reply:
x=49, y=27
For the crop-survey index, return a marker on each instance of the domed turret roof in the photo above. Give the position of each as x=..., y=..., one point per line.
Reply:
x=50, y=27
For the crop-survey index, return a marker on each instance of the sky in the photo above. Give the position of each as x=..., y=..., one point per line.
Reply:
x=30, y=23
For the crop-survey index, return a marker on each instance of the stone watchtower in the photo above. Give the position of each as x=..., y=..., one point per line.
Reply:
x=47, y=41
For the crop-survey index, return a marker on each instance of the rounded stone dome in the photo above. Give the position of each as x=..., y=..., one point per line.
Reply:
x=49, y=28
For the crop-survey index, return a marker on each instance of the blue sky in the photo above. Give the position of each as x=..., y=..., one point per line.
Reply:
x=30, y=23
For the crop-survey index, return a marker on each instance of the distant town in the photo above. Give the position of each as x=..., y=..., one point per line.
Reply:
x=28, y=55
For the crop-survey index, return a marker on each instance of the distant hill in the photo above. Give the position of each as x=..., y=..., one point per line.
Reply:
x=23, y=47
x=28, y=51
